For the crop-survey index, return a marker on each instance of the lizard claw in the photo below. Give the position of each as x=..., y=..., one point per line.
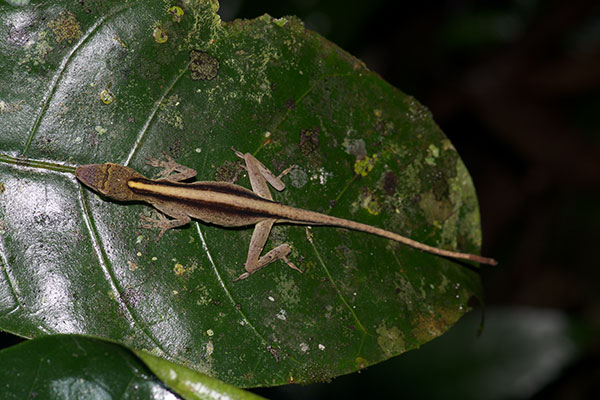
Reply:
x=242, y=276
x=238, y=153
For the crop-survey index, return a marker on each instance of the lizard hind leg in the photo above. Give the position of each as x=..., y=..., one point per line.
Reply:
x=163, y=223
x=254, y=262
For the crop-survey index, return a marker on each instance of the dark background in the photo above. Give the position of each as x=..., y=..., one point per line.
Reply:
x=515, y=86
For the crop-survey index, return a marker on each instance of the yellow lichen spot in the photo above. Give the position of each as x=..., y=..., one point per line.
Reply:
x=364, y=166
x=2, y=188
x=433, y=152
x=106, y=96
x=65, y=27
x=280, y=21
x=361, y=363
x=176, y=12
x=100, y=130
x=160, y=35
x=374, y=206
x=179, y=269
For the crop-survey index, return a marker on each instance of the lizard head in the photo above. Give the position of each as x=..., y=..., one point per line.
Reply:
x=108, y=179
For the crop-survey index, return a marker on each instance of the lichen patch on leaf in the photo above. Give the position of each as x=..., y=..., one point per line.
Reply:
x=160, y=35
x=106, y=96
x=176, y=12
x=364, y=166
x=203, y=66
x=309, y=140
x=170, y=113
x=355, y=147
x=229, y=171
x=436, y=211
x=390, y=340
x=66, y=27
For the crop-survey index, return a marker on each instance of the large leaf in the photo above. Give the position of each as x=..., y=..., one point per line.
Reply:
x=124, y=81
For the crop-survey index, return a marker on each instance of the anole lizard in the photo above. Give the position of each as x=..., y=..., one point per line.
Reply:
x=226, y=204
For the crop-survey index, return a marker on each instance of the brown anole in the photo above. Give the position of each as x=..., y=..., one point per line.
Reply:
x=227, y=204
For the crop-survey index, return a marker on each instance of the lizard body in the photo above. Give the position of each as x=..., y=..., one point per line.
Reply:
x=227, y=204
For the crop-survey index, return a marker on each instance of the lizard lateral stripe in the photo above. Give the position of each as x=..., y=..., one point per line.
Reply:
x=208, y=195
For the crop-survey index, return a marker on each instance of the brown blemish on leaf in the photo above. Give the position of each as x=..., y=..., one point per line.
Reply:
x=228, y=172
x=309, y=140
x=65, y=27
x=18, y=36
x=427, y=327
x=390, y=182
x=203, y=66
x=274, y=352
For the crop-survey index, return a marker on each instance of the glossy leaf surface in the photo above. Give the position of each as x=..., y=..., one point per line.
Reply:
x=71, y=367
x=192, y=385
x=124, y=81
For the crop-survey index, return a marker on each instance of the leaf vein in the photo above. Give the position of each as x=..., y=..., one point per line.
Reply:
x=12, y=282
x=142, y=133
x=337, y=290
x=108, y=273
x=60, y=73
x=222, y=284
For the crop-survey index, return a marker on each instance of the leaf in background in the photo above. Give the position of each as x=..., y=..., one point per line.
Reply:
x=124, y=81
x=71, y=367
x=191, y=384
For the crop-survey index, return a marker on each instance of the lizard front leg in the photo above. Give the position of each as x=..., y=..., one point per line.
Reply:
x=259, y=175
x=172, y=171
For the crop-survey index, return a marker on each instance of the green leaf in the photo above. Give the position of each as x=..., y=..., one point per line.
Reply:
x=124, y=81
x=190, y=384
x=71, y=367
